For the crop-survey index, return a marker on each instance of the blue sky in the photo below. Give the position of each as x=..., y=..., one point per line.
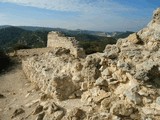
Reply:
x=102, y=15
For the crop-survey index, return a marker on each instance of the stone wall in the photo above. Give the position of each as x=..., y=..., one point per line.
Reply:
x=57, y=39
x=50, y=72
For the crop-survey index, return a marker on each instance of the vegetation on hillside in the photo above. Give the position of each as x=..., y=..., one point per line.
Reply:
x=13, y=38
x=9, y=36
x=123, y=35
x=20, y=46
x=4, y=61
x=92, y=43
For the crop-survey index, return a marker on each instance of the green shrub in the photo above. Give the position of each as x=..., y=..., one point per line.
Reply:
x=4, y=60
x=20, y=46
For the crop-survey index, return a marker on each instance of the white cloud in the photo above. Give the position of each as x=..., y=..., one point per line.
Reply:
x=92, y=14
x=72, y=5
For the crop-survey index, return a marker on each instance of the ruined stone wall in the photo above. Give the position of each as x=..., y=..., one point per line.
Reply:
x=56, y=39
x=123, y=82
x=49, y=72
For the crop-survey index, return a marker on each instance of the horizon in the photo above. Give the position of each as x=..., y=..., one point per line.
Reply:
x=92, y=15
x=61, y=28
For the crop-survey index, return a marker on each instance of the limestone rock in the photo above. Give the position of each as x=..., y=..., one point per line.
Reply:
x=101, y=96
x=134, y=38
x=133, y=96
x=158, y=100
x=57, y=39
x=76, y=114
x=58, y=115
x=44, y=97
x=151, y=32
x=95, y=95
x=150, y=111
x=38, y=109
x=101, y=82
x=40, y=116
x=122, y=109
x=111, y=51
x=50, y=106
x=17, y=112
x=105, y=103
x=156, y=16
x=32, y=103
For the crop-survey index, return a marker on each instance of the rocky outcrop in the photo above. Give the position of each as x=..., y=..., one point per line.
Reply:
x=120, y=83
x=152, y=32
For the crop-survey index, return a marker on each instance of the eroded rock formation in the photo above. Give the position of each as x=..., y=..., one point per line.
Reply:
x=123, y=83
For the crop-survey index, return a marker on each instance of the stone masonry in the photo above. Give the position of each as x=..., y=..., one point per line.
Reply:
x=57, y=39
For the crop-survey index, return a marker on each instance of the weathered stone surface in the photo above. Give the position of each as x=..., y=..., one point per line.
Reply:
x=76, y=114
x=40, y=116
x=122, y=109
x=158, y=100
x=38, y=109
x=134, y=38
x=156, y=16
x=58, y=115
x=111, y=51
x=101, y=82
x=57, y=39
x=150, y=111
x=17, y=112
x=152, y=31
x=49, y=79
x=52, y=108
x=106, y=103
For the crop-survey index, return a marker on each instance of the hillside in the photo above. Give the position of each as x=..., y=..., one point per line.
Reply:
x=93, y=43
x=36, y=37
x=10, y=36
x=122, y=34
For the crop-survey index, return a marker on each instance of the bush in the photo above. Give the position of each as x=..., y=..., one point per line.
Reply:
x=20, y=46
x=4, y=60
x=94, y=46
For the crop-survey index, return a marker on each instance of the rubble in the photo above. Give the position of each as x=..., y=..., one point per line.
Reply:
x=17, y=112
x=123, y=82
x=76, y=114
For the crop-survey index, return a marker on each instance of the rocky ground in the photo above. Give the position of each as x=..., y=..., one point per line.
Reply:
x=21, y=100
x=16, y=93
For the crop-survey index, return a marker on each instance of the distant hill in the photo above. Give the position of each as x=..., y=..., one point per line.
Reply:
x=123, y=34
x=4, y=26
x=9, y=36
x=93, y=43
x=115, y=34
x=36, y=37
